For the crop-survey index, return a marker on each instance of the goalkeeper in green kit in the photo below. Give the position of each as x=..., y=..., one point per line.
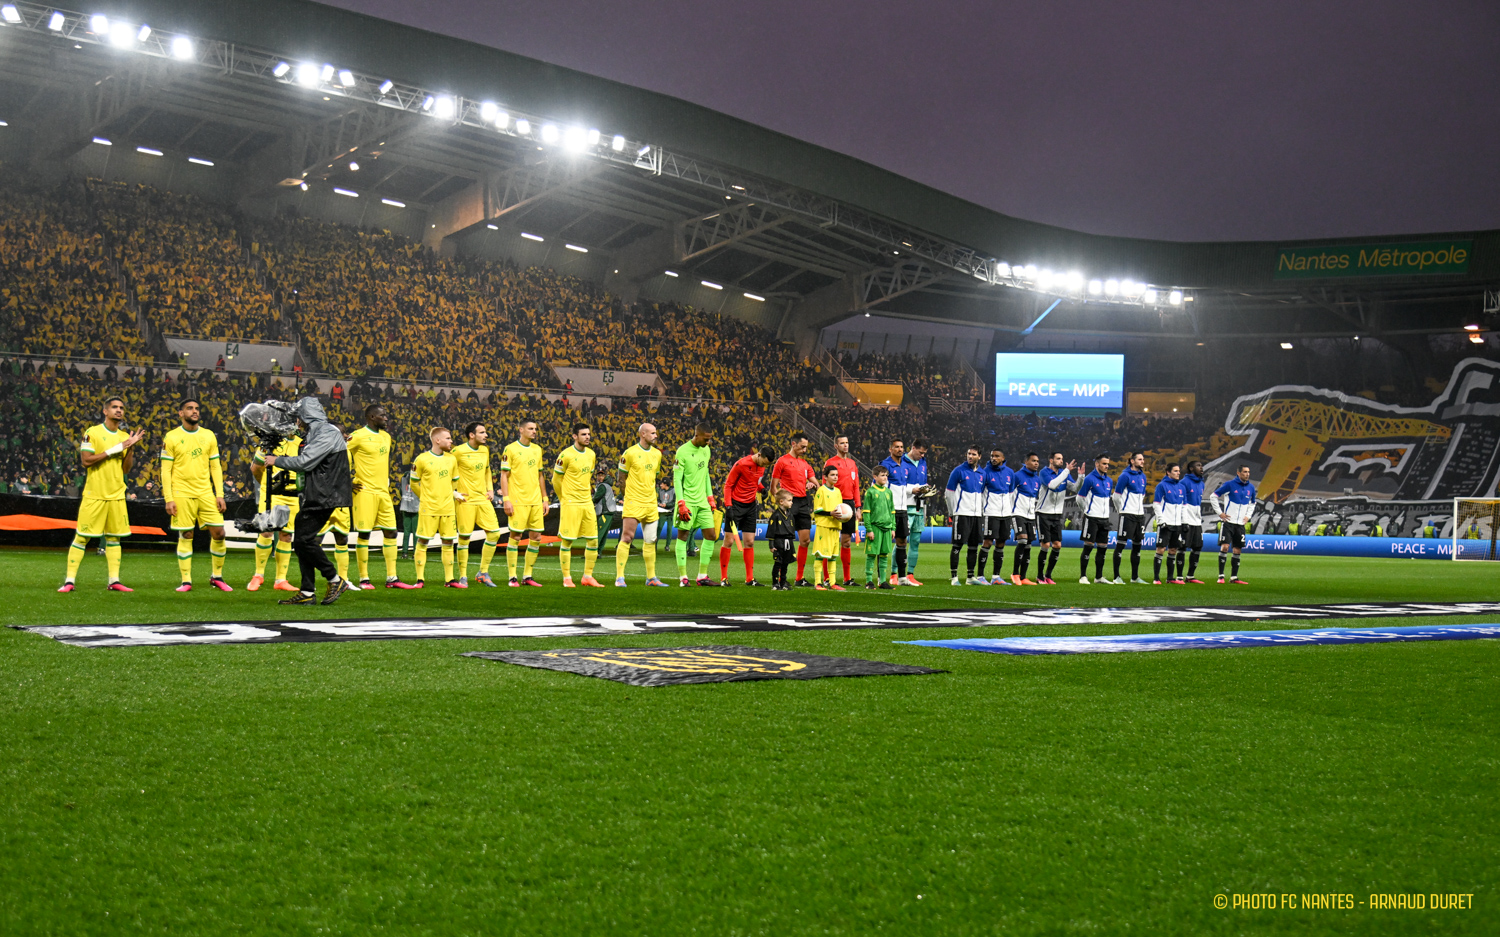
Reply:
x=695, y=503
x=880, y=528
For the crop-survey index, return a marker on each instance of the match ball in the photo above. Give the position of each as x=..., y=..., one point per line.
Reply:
x=843, y=512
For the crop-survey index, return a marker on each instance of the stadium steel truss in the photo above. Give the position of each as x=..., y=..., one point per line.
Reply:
x=817, y=235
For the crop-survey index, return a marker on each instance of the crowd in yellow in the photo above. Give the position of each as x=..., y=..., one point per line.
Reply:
x=56, y=289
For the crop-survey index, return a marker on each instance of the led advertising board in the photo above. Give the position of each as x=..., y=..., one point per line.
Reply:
x=1069, y=384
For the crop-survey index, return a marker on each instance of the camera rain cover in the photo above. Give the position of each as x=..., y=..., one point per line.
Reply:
x=272, y=419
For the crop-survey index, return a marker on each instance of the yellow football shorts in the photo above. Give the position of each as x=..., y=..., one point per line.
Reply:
x=526, y=517
x=338, y=522
x=826, y=543
x=197, y=511
x=643, y=511
x=373, y=509
x=99, y=518
x=578, y=521
x=478, y=512
x=435, y=525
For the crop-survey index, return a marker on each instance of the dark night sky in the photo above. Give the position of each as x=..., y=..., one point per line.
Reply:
x=1190, y=121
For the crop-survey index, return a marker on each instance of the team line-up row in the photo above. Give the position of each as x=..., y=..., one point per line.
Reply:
x=324, y=480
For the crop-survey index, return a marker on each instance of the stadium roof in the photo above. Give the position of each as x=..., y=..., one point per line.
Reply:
x=290, y=91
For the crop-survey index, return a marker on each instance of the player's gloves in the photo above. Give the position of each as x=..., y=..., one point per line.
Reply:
x=682, y=512
x=712, y=504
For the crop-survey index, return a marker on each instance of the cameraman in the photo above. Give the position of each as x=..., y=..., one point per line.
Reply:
x=323, y=462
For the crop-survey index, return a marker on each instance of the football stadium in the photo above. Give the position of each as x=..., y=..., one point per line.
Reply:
x=404, y=444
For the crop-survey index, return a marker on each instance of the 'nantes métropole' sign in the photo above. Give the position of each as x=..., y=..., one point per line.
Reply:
x=1373, y=260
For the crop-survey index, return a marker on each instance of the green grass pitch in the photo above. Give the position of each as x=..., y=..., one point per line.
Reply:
x=396, y=787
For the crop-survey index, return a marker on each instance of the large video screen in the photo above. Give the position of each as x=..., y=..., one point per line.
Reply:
x=1045, y=382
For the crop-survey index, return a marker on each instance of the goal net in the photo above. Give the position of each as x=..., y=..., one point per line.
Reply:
x=1476, y=527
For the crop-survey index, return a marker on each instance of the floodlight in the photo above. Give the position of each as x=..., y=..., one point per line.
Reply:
x=326, y=73
x=4, y=123
x=427, y=103
x=643, y=150
x=121, y=35
x=346, y=78
x=307, y=75
x=1074, y=282
x=353, y=166
x=670, y=273
x=574, y=137
x=1472, y=327
x=445, y=106
x=392, y=202
x=711, y=285
x=1175, y=297
x=99, y=24
x=1096, y=287
x=182, y=48
x=10, y=13
x=532, y=237
x=148, y=151
x=56, y=21
x=575, y=247
x=617, y=144
x=488, y=111
x=1286, y=346
x=523, y=126
x=303, y=187
x=493, y=227
x=143, y=33
x=1029, y=271
x=348, y=192
x=281, y=69
x=759, y=299
x=593, y=136
x=199, y=161
x=1043, y=279
x=1111, y=287
x=386, y=86
x=1002, y=269
x=1149, y=296
x=102, y=141
x=549, y=133
x=1476, y=338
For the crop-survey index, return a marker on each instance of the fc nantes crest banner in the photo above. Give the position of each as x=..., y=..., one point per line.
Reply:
x=713, y=663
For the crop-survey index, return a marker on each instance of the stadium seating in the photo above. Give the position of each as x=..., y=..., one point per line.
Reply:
x=182, y=258
x=57, y=292
x=44, y=412
x=923, y=376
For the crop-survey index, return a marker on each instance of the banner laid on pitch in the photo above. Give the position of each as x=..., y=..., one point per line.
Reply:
x=597, y=626
x=1117, y=643
x=709, y=663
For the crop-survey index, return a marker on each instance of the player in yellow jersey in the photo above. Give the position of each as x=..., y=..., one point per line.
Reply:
x=432, y=476
x=476, y=482
x=523, y=493
x=370, y=460
x=106, y=454
x=640, y=463
x=281, y=541
x=572, y=479
x=192, y=482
